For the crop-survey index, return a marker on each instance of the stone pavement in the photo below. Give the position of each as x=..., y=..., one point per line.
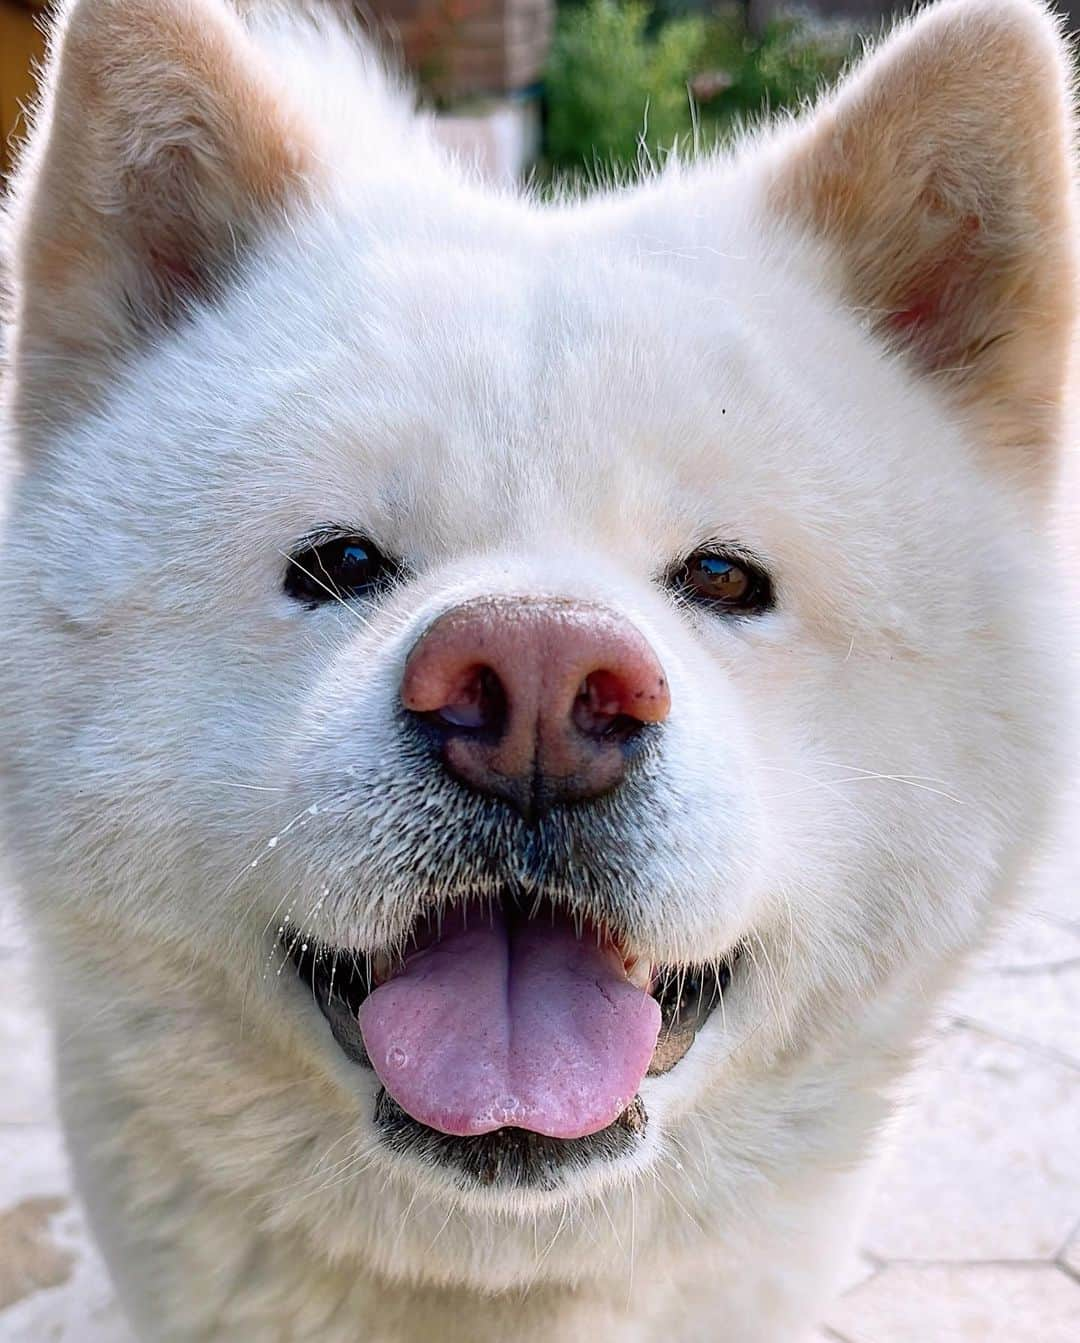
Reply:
x=974, y=1236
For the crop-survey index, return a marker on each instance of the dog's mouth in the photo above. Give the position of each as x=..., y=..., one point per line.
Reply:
x=510, y=1039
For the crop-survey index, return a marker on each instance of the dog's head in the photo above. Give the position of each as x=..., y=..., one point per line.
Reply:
x=565, y=672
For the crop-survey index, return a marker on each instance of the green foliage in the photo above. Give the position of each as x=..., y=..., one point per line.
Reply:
x=620, y=76
x=791, y=59
x=610, y=85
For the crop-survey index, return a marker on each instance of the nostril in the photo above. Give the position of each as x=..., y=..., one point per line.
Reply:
x=535, y=702
x=605, y=707
x=476, y=702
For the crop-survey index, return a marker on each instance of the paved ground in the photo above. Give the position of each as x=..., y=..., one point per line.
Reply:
x=974, y=1236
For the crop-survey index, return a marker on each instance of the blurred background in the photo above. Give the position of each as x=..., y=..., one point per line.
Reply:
x=974, y=1234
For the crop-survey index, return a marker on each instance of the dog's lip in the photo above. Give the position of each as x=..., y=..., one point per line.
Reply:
x=340, y=980
x=507, y=1158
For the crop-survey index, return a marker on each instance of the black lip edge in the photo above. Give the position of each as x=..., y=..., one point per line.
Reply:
x=511, y=1158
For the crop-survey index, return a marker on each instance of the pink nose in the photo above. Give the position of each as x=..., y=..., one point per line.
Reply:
x=538, y=701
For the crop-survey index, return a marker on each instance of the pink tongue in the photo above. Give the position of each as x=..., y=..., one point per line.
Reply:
x=525, y=1028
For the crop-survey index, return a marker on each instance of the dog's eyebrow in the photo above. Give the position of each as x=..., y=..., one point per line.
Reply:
x=321, y=534
x=732, y=550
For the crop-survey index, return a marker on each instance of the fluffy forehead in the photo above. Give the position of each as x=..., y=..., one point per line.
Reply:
x=521, y=376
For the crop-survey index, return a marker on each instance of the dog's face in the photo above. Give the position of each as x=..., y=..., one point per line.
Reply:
x=560, y=671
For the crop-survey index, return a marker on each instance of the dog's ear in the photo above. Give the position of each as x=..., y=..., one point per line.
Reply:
x=161, y=150
x=941, y=175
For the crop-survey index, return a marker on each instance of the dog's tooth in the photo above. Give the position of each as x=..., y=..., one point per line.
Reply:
x=639, y=973
x=381, y=967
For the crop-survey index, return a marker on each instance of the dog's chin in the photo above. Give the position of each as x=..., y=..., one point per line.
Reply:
x=513, y=1157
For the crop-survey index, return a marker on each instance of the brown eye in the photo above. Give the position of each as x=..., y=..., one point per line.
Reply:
x=724, y=582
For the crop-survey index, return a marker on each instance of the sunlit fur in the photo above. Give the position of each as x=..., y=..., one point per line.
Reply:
x=253, y=299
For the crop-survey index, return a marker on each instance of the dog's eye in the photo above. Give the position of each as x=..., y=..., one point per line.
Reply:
x=337, y=569
x=723, y=582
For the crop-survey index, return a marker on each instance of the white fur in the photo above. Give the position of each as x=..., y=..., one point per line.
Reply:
x=517, y=399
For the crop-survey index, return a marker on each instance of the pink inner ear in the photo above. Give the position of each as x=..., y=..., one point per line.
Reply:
x=935, y=312
x=170, y=280
x=918, y=313
x=174, y=272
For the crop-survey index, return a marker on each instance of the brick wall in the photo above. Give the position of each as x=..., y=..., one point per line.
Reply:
x=465, y=48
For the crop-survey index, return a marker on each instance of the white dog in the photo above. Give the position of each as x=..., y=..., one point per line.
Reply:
x=512, y=713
